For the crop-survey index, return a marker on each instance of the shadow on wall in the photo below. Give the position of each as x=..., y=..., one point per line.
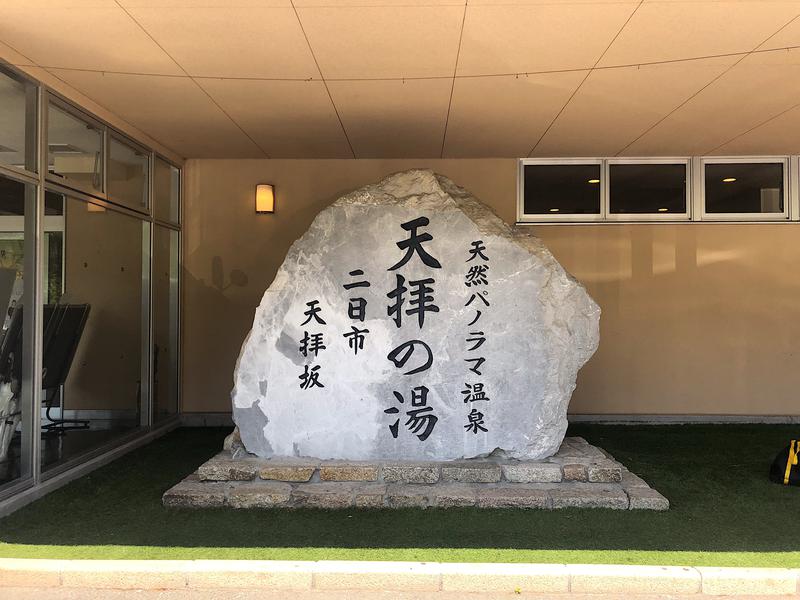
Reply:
x=217, y=322
x=237, y=277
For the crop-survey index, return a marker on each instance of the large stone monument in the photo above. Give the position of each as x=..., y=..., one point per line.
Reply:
x=410, y=322
x=409, y=328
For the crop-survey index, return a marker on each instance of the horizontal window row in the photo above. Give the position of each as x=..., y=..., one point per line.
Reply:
x=82, y=153
x=655, y=189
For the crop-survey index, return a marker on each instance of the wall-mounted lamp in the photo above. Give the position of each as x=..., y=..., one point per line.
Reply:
x=265, y=198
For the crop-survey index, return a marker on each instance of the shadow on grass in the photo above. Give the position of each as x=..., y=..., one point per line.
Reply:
x=715, y=477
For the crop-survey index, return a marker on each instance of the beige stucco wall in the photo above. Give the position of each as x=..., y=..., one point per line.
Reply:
x=697, y=318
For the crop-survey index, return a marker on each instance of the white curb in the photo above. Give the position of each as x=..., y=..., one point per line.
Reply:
x=397, y=576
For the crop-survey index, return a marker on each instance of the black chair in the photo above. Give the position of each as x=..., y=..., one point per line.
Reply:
x=62, y=334
x=62, y=329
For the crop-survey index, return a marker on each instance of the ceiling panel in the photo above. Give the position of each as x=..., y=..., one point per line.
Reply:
x=525, y=38
x=48, y=4
x=759, y=87
x=362, y=3
x=371, y=41
x=614, y=106
x=504, y=116
x=673, y=30
x=174, y=111
x=229, y=4
x=254, y=40
x=84, y=38
x=392, y=118
x=247, y=42
x=288, y=119
x=548, y=2
x=10, y=55
x=788, y=36
x=778, y=136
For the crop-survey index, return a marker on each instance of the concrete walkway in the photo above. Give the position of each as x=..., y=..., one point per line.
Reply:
x=417, y=580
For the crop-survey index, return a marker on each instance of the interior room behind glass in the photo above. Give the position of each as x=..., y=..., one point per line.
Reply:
x=744, y=187
x=565, y=189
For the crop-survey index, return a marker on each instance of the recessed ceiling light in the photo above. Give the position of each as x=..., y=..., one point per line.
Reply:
x=553, y=210
x=729, y=180
x=663, y=209
x=593, y=181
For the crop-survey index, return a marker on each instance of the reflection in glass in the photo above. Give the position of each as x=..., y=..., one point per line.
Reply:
x=165, y=322
x=167, y=181
x=92, y=336
x=647, y=188
x=744, y=187
x=15, y=448
x=562, y=189
x=74, y=150
x=17, y=123
x=127, y=175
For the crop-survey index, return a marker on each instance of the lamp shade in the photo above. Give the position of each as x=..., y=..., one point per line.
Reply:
x=265, y=198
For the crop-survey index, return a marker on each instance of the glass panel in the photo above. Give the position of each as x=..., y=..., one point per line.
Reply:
x=167, y=182
x=744, y=187
x=647, y=188
x=74, y=150
x=15, y=446
x=92, y=345
x=17, y=123
x=165, y=322
x=562, y=189
x=127, y=175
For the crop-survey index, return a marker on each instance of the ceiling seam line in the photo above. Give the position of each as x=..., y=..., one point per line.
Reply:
x=25, y=56
x=324, y=82
x=773, y=117
x=200, y=87
x=754, y=127
x=706, y=86
x=453, y=82
x=69, y=85
x=577, y=89
x=225, y=112
x=744, y=53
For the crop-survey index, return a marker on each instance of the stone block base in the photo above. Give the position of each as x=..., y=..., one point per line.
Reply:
x=578, y=476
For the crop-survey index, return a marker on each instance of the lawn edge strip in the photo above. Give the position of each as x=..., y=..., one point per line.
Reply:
x=398, y=576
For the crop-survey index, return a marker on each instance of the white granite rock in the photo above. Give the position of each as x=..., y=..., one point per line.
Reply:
x=538, y=326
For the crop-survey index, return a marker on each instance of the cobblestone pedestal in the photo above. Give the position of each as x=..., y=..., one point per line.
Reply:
x=578, y=476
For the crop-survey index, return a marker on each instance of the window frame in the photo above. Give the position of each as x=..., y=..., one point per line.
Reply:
x=34, y=225
x=179, y=220
x=31, y=128
x=695, y=182
x=73, y=111
x=522, y=217
x=786, y=215
x=112, y=135
x=649, y=217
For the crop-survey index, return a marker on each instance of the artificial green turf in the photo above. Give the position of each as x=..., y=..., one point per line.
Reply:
x=724, y=512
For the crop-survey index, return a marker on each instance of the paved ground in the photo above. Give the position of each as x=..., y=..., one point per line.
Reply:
x=228, y=594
